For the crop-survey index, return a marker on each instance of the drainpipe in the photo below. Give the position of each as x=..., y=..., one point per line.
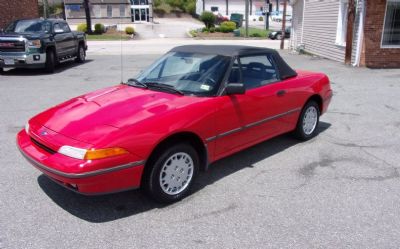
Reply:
x=360, y=35
x=349, y=32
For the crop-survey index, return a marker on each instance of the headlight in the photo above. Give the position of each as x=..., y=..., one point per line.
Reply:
x=27, y=128
x=34, y=44
x=274, y=33
x=91, y=154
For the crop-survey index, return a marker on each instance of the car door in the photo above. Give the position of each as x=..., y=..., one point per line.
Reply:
x=61, y=40
x=244, y=119
x=70, y=45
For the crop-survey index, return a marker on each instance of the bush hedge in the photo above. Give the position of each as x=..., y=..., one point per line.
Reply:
x=228, y=26
x=99, y=28
x=129, y=30
x=82, y=27
x=208, y=18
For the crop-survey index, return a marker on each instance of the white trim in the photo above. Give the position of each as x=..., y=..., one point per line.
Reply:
x=383, y=28
x=360, y=35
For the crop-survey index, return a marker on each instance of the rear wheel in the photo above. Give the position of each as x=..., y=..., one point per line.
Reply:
x=50, y=61
x=171, y=174
x=308, y=121
x=81, y=57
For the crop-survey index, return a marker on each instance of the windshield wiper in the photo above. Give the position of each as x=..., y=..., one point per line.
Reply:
x=164, y=87
x=135, y=82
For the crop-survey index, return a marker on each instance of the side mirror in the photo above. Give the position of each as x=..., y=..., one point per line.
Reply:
x=235, y=88
x=58, y=31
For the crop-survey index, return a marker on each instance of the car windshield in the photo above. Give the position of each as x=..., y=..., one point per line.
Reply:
x=188, y=73
x=29, y=26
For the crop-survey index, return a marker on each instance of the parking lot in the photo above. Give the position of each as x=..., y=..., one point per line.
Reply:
x=339, y=190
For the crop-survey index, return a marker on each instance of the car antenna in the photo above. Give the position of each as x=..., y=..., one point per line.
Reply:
x=121, y=57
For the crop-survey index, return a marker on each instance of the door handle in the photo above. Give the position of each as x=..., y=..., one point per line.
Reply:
x=281, y=93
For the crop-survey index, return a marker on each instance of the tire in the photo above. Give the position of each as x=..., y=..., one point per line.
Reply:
x=50, y=61
x=1, y=70
x=160, y=180
x=81, y=56
x=307, y=125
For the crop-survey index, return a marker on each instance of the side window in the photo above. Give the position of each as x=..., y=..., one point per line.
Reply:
x=65, y=27
x=56, y=27
x=257, y=71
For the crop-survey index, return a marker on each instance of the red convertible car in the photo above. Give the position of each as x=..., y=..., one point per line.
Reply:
x=193, y=106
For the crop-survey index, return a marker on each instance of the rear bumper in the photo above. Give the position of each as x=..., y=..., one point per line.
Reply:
x=79, y=175
x=22, y=60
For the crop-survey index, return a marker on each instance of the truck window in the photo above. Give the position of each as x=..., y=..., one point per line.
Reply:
x=65, y=27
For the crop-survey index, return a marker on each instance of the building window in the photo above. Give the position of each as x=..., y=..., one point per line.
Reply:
x=122, y=10
x=391, y=28
x=109, y=11
x=342, y=23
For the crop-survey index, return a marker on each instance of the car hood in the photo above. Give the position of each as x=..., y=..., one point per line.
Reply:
x=89, y=117
x=27, y=35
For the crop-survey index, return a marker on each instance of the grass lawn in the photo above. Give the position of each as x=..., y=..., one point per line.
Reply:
x=262, y=32
x=107, y=37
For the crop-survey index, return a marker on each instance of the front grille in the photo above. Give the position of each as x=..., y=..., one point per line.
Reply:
x=42, y=146
x=12, y=46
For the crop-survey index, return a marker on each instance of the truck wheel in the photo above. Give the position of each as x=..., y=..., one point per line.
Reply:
x=50, y=61
x=81, y=57
x=1, y=70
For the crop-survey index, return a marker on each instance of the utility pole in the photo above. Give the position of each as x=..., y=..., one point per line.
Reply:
x=349, y=33
x=267, y=13
x=227, y=7
x=247, y=17
x=45, y=8
x=88, y=17
x=277, y=6
x=283, y=24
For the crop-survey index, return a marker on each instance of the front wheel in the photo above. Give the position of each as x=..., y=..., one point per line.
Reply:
x=172, y=173
x=308, y=121
x=81, y=57
x=50, y=62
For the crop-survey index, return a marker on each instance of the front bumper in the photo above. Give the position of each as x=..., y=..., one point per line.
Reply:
x=22, y=60
x=85, y=177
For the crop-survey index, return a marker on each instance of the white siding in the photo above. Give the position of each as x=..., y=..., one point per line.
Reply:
x=320, y=24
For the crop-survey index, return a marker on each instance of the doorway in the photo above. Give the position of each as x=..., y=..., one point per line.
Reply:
x=140, y=14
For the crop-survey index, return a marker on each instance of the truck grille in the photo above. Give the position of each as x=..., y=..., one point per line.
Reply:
x=12, y=46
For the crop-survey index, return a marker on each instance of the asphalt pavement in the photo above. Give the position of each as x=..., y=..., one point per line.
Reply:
x=339, y=190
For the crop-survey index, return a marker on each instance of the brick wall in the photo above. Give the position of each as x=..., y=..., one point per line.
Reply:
x=374, y=56
x=15, y=9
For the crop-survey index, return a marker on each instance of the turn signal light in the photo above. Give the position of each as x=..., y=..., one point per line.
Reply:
x=103, y=153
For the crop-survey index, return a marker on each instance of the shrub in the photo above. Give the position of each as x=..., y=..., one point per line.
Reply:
x=99, y=28
x=228, y=26
x=82, y=27
x=255, y=35
x=212, y=30
x=207, y=18
x=261, y=19
x=190, y=8
x=217, y=29
x=254, y=19
x=129, y=30
x=204, y=30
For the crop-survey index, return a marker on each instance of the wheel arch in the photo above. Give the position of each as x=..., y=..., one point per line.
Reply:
x=318, y=99
x=184, y=136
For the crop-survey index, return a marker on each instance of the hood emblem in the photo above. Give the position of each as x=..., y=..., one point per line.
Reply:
x=44, y=133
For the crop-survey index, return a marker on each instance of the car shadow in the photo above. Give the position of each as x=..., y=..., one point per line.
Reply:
x=40, y=71
x=105, y=208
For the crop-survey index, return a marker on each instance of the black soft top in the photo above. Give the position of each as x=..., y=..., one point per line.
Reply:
x=285, y=71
